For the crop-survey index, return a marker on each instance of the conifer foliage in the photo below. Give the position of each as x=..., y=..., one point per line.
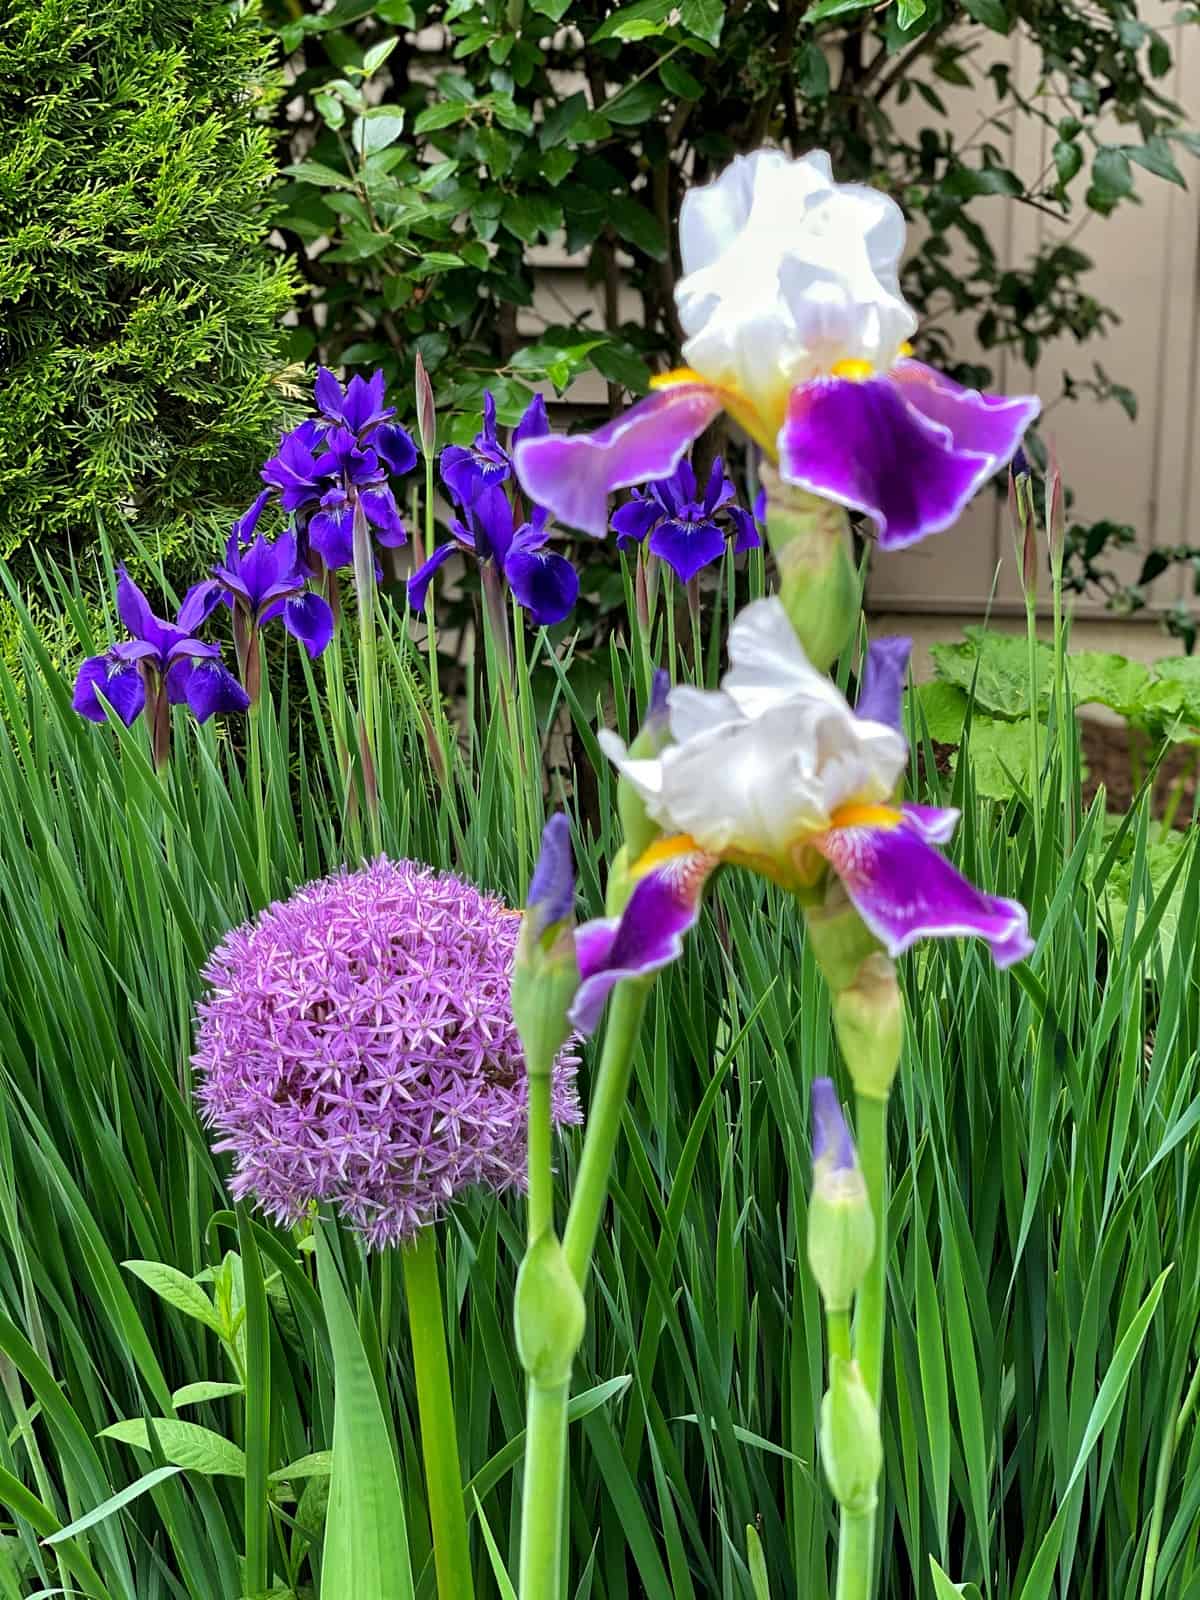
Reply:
x=140, y=303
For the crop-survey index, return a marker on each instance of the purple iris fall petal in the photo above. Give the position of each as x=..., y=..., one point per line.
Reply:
x=307, y=617
x=745, y=530
x=207, y=687
x=574, y=476
x=935, y=824
x=380, y=509
x=120, y=682
x=199, y=603
x=884, y=674
x=905, y=890
x=686, y=546
x=551, y=897
x=489, y=521
x=331, y=535
x=295, y=471
x=395, y=448
x=869, y=446
x=989, y=425
x=467, y=470
x=831, y=1140
x=646, y=937
x=545, y=583
x=418, y=583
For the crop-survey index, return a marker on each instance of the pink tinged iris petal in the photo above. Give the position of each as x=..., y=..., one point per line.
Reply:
x=905, y=890
x=870, y=446
x=574, y=476
x=120, y=682
x=647, y=936
x=307, y=617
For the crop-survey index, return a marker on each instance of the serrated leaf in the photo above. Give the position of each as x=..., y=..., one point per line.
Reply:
x=178, y=1290
x=185, y=1444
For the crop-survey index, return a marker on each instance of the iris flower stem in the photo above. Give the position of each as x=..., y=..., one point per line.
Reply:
x=257, y=800
x=529, y=749
x=368, y=668
x=604, y=1124
x=495, y=611
x=543, y=1494
x=435, y=1405
x=855, y=1555
x=869, y=1332
x=837, y=1325
x=431, y=633
x=1031, y=641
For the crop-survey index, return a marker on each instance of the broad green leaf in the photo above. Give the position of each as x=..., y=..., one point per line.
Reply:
x=757, y=1563
x=185, y=1444
x=992, y=13
x=704, y=18
x=641, y=20
x=378, y=54
x=377, y=128
x=316, y=172
x=833, y=8
x=442, y=114
x=366, y=1532
x=178, y=1290
x=317, y=1465
x=193, y=1394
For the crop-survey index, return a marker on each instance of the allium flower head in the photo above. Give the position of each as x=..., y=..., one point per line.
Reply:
x=357, y=1046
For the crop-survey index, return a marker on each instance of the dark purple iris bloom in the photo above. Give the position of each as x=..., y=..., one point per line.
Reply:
x=263, y=581
x=347, y=456
x=686, y=530
x=159, y=658
x=468, y=469
x=545, y=583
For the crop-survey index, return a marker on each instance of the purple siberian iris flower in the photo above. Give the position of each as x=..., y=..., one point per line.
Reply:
x=161, y=664
x=686, y=530
x=346, y=457
x=488, y=525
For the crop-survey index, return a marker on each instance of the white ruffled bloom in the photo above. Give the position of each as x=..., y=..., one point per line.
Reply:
x=788, y=274
x=765, y=762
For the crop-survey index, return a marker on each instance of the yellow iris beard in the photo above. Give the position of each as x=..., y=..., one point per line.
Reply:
x=865, y=816
x=738, y=407
x=664, y=849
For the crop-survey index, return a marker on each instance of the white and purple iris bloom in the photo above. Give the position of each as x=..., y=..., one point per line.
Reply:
x=346, y=457
x=684, y=528
x=159, y=658
x=489, y=526
x=790, y=300
x=775, y=772
x=261, y=580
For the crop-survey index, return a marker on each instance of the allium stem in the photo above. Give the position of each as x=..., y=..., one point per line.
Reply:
x=435, y=1404
x=628, y=1007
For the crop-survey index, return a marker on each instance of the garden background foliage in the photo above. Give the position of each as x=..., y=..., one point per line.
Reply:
x=140, y=305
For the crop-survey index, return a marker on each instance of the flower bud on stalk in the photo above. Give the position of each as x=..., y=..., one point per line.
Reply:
x=426, y=410
x=545, y=968
x=841, y=1229
x=868, y=1008
x=1056, y=512
x=851, y=1445
x=810, y=540
x=1024, y=523
x=550, y=1313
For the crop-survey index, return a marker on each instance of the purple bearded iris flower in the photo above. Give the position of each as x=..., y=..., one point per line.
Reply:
x=346, y=458
x=160, y=665
x=685, y=530
x=776, y=772
x=798, y=329
x=487, y=527
x=263, y=581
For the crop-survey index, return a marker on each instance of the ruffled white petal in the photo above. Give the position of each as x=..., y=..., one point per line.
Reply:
x=787, y=273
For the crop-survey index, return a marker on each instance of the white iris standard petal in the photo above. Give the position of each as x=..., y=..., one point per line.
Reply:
x=786, y=274
x=764, y=763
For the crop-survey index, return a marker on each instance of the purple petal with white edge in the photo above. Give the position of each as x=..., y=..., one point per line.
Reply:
x=884, y=673
x=863, y=446
x=546, y=584
x=331, y=535
x=745, y=530
x=905, y=890
x=534, y=423
x=647, y=936
x=575, y=476
x=307, y=617
x=551, y=897
x=632, y=521
x=120, y=682
x=686, y=547
x=418, y=584
x=989, y=425
x=935, y=824
x=395, y=448
x=831, y=1141
x=380, y=509
x=207, y=687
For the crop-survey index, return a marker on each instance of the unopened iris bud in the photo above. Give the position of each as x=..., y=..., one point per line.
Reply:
x=653, y=737
x=841, y=1228
x=1023, y=522
x=851, y=1445
x=1056, y=512
x=545, y=967
x=810, y=540
x=550, y=1314
x=426, y=411
x=868, y=1016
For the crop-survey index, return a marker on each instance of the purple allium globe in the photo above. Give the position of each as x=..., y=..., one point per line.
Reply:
x=357, y=1046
